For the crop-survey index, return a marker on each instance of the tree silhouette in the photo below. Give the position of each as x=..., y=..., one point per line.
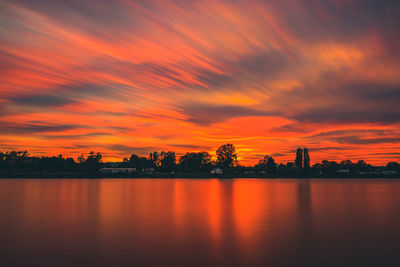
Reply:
x=306, y=155
x=393, y=166
x=267, y=164
x=346, y=164
x=361, y=165
x=271, y=165
x=134, y=160
x=167, y=161
x=92, y=162
x=195, y=161
x=262, y=163
x=21, y=163
x=81, y=159
x=299, y=159
x=226, y=156
x=155, y=159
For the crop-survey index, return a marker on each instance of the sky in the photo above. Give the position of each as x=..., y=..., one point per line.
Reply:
x=123, y=77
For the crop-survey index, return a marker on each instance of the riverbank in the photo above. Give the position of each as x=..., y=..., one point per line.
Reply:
x=99, y=175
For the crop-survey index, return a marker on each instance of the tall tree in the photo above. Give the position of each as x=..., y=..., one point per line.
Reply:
x=306, y=155
x=299, y=159
x=226, y=156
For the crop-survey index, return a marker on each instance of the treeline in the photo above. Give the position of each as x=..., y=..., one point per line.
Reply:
x=189, y=162
x=156, y=161
x=192, y=163
x=21, y=161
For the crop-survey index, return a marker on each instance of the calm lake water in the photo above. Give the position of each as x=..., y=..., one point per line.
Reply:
x=175, y=222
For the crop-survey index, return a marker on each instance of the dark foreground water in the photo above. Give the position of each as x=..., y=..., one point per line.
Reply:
x=182, y=222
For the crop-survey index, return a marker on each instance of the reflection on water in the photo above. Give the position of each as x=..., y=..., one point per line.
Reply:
x=199, y=222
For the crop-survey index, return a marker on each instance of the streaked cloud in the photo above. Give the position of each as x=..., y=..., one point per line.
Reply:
x=191, y=75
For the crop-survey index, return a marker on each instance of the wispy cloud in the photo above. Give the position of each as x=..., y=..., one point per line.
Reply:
x=270, y=75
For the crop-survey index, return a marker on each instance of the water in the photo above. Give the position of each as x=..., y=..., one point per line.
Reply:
x=183, y=222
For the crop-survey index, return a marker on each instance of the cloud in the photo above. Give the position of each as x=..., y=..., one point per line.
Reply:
x=355, y=102
x=125, y=149
x=32, y=128
x=41, y=100
x=346, y=132
x=359, y=136
x=331, y=148
x=207, y=114
x=179, y=72
x=190, y=146
x=252, y=68
x=75, y=136
x=365, y=141
x=292, y=128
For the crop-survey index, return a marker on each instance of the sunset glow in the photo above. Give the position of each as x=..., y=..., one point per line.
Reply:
x=123, y=77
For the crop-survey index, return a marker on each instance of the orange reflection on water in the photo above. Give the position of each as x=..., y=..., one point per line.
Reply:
x=195, y=221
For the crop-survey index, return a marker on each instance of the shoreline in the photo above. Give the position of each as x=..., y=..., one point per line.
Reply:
x=158, y=176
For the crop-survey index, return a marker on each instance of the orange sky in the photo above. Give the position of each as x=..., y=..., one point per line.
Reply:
x=137, y=76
